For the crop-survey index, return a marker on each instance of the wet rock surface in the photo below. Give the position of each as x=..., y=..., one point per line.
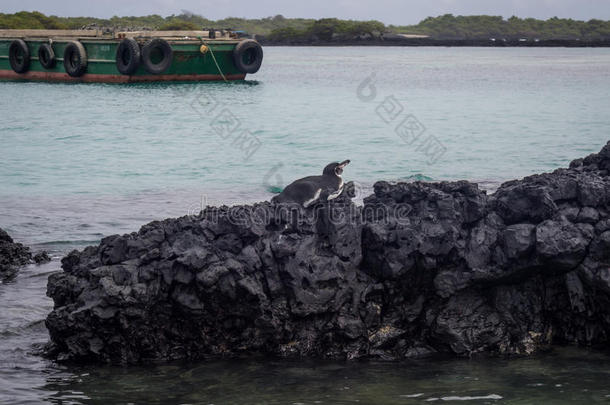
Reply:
x=12, y=255
x=420, y=268
x=41, y=257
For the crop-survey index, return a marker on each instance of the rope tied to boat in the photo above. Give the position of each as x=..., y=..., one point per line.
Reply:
x=214, y=59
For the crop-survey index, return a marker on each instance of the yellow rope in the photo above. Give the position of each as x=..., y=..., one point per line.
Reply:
x=214, y=58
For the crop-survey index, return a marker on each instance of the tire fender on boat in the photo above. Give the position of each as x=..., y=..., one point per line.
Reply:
x=19, y=56
x=248, y=56
x=128, y=56
x=75, y=59
x=153, y=48
x=46, y=56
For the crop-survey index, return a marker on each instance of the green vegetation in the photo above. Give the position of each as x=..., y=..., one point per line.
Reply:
x=326, y=28
x=180, y=26
x=34, y=20
x=484, y=27
x=281, y=28
x=262, y=26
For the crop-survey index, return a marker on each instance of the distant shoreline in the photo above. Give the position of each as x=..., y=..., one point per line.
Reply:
x=550, y=43
x=443, y=30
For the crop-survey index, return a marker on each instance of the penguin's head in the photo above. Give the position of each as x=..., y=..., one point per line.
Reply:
x=335, y=169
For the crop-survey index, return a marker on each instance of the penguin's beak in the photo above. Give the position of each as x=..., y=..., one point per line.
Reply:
x=343, y=164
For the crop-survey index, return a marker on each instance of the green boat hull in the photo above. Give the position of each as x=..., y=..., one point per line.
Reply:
x=188, y=62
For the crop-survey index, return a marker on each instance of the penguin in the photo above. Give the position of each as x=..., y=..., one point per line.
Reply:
x=308, y=190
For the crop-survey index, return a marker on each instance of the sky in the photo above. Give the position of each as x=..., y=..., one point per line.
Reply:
x=399, y=12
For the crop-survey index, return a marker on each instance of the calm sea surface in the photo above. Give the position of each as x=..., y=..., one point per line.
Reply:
x=79, y=162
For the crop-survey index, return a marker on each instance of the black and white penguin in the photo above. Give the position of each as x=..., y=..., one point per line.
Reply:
x=308, y=190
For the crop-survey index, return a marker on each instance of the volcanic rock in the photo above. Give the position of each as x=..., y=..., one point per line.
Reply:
x=420, y=268
x=12, y=255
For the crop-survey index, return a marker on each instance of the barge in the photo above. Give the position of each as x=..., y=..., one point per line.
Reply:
x=125, y=57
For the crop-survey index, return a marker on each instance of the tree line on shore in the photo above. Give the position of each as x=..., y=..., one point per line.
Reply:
x=484, y=26
x=280, y=28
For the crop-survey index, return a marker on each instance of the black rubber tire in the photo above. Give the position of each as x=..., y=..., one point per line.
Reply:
x=19, y=56
x=46, y=56
x=75, y=59
x=248, y=56
x=157, y=45
x=128, y=56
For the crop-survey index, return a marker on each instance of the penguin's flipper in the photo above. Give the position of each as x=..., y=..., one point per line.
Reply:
x=324, y=194
x=335, y=194
x=313, y=199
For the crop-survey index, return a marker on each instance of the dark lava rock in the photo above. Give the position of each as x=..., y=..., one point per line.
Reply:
x=420, y=268
x=41, y=257
x=12, y=255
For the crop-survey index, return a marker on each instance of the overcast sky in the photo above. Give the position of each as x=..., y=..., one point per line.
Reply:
x=388, y=11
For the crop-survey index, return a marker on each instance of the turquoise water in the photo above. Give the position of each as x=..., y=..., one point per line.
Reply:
x=79, y=162
x=157, y=149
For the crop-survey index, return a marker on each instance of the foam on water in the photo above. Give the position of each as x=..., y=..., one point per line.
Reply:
x=465, y=398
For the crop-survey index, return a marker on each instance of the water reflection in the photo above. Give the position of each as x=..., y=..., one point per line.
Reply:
x=564, y=376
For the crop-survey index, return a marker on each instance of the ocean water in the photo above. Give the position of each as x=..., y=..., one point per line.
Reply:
x=82, y=161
